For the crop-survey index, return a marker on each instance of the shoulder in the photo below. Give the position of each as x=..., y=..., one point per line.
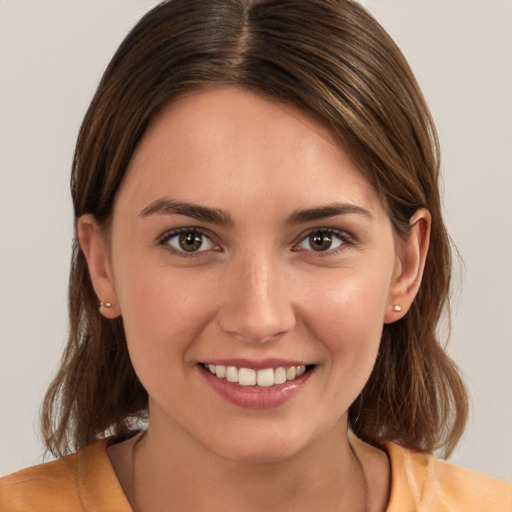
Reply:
x=36, y=487
x=422, y=482
x=77, y=482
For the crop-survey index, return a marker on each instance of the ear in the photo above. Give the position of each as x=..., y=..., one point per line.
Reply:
x=95, y=248
x=411, y=256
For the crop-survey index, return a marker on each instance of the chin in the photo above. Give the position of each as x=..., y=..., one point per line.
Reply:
x=260, y=446
x=257, y=453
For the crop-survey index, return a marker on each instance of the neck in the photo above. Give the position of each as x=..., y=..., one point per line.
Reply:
x=326, y=476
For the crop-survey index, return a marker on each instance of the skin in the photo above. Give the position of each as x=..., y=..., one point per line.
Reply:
x=256, y=289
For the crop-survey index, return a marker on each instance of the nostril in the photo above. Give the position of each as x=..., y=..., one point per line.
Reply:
x=256, y=328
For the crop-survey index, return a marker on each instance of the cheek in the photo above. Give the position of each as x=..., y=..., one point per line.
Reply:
x=346, y=314
x=346, y=321
x=163, y=311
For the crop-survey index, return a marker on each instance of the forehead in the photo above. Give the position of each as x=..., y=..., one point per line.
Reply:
x=220, y=143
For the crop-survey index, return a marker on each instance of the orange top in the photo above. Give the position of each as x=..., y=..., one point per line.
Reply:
x=86, y=481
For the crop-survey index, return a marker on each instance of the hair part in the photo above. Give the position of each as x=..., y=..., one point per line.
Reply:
x=332, y=60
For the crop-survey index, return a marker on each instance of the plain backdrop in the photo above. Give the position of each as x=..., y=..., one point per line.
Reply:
x=52, y=54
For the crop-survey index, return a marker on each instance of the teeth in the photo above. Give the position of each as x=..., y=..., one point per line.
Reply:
x=280, y=375
x=291, y=373
x=231, y=374
x=249, y=377
x=265, y=378
x=246, y=377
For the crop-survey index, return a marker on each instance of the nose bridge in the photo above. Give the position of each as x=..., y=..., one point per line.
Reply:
x=258, y=305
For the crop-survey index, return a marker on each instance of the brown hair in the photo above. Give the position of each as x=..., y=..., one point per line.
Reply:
x=331, y=59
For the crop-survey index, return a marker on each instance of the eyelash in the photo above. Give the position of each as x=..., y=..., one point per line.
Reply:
x=164, y=240
x=345, y=240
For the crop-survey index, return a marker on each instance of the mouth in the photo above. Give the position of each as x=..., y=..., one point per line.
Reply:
x=261, y=378
x=260, y=385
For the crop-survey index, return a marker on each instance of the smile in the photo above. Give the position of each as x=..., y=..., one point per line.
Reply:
x=264, y=378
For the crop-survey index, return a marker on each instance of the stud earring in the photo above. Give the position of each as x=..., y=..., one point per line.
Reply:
x=397, y=308
x=106, y=305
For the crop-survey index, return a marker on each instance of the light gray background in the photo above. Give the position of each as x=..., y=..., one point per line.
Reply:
x=52, y=54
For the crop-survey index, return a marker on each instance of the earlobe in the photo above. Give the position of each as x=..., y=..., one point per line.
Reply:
x=411, y=257
x=95, y=249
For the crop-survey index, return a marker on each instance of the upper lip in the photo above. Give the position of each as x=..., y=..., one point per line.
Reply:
x=260, y=364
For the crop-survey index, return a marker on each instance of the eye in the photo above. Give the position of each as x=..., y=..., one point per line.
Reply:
x=322, y=240
x=188, y=240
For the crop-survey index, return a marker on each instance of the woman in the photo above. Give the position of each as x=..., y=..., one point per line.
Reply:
x=260, y=265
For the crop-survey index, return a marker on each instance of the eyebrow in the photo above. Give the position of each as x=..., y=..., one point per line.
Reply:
x=325, y=212
x=217, y=216
x=195, y=211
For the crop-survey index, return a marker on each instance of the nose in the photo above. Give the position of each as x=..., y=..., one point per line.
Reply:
x=258, y=305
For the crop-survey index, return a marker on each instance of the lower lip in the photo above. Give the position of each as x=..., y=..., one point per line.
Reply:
x=253, y=397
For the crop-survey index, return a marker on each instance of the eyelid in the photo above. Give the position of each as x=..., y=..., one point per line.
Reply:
x=346, y=238
x=165, y=237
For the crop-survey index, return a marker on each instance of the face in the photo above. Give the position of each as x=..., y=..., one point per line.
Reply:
x=245, y=242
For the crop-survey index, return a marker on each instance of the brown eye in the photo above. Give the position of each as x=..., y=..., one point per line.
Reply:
x=189, y=241
x=322, y=241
